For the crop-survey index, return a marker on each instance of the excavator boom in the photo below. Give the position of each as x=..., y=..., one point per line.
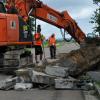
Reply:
x=41, y=11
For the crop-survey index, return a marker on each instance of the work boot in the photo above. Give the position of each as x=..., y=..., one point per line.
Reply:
x=37, y=62
x=54, y=57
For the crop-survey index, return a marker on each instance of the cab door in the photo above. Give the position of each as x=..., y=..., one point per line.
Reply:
x=3, y=30
x=12, y=28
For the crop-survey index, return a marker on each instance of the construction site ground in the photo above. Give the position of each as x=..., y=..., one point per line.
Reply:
x=62, y=48
x=37, y=94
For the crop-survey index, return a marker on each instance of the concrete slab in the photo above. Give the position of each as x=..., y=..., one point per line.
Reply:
x=8, y=83
x=39, y=77
x=56, y=71
x=23, y=75
x=23, y=86
x=63, y=84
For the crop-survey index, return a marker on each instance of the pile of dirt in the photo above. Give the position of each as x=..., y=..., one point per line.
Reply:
x=81, y=60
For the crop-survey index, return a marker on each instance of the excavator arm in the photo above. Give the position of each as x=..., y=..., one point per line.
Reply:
x=41, y=11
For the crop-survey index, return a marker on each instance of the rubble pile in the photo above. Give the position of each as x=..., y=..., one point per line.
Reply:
x=54, y=76
x=60, y=74
x=80, y=61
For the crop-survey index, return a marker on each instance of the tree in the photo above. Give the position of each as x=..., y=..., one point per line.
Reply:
x=96, y=17
x=96, y=1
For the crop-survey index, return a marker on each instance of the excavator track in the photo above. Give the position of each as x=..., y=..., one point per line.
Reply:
x=15, y=59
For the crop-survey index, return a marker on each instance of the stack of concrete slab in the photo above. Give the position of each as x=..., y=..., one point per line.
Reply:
x=23, y=86
x=32, y=76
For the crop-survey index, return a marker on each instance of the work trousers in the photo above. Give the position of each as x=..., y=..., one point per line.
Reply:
x=53, y=52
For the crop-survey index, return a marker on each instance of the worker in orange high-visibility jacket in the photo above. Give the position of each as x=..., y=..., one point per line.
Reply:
x=38, y=41
x=52, y=46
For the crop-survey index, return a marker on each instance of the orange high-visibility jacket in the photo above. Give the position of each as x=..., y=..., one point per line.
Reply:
x=37, y=38
x=52, y=41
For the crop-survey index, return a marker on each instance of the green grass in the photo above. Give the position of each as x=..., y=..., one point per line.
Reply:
x=58, y=43
x=98, y=83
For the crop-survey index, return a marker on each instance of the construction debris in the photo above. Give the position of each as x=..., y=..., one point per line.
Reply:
x=8, y=83
x=80, y=61
x=27, y=78
x=39, y=77
x=23, y=86
x=64, y=83
x=56, y=71
x=23, y=75
x=30, y=75
x=71, y=83
x=74, y=64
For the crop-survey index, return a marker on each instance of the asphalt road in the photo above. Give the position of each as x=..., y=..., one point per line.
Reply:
x=36, y=94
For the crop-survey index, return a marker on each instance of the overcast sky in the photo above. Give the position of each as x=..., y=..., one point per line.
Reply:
x=80, y=10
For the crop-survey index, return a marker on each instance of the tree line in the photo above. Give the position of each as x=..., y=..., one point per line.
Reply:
x=95, y=19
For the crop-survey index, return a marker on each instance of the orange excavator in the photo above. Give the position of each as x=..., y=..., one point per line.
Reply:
x=11, y=27
x=15, y=28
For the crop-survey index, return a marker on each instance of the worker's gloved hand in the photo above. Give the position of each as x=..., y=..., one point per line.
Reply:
x=53, y=44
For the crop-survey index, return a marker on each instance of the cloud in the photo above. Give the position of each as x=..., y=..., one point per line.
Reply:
x=80, y=10
x=66, y=4
x=77, y=9
x=83, y=13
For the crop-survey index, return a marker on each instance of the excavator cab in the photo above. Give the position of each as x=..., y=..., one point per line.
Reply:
x=24, y=31
x=13, y=29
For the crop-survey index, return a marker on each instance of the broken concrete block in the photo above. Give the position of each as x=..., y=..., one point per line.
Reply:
x=57, y=71
x=64, y=83
x=23, y=86
x=23, y=75
x=39, y=77
x=8, y=83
